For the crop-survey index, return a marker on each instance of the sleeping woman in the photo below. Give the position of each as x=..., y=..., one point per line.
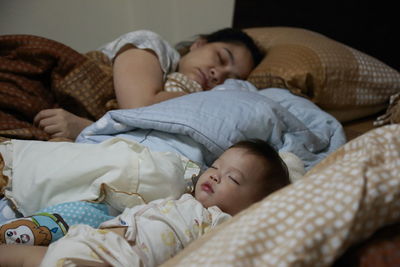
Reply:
x=141, y=63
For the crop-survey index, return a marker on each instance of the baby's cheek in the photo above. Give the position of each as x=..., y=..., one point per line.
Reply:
x=202, y=198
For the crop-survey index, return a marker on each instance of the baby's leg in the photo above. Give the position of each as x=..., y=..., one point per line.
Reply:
x=40, y=230
x=81, y=212
x=52, y=223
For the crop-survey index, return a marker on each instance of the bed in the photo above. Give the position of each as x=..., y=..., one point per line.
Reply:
x=298, y=98
x=334, y=55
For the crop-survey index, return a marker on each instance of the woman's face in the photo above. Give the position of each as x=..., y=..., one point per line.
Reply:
x=211, y=64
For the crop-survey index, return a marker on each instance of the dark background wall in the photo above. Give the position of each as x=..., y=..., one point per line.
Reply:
x=369, y=26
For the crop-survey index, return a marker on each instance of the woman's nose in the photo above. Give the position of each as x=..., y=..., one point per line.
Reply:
x=217, y=75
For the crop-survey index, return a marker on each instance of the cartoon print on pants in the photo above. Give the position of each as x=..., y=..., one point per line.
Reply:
x=40, y=229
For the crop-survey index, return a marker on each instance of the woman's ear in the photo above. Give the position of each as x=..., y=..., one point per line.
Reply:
x=198, y=43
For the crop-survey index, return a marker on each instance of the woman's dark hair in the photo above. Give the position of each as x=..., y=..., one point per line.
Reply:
x=277, y=174
x=236, y=36
x=227, y=35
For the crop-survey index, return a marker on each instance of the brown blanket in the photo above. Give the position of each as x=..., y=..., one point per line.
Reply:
x=37, y=73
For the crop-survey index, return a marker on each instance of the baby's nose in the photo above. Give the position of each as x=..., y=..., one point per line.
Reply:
x=215, y=177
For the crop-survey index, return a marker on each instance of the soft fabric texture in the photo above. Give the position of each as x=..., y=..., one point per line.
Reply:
x=81, y=212
x=119, y=172
x=343, y=81
x=219, y=118
x=294, y=164
x=341, y=201
x=392, y=114
x=7, y=212
x=3, y=178
x=40, y=229
x=155, y=232
x=37, y=73
x=381, y=249
x=66, y=214
x=177, y=82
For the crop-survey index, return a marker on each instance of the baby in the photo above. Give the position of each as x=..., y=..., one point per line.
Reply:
x=152, y=233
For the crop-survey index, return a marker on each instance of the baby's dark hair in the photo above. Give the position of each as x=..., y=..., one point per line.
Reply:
x=228, y=35
x=277, y=174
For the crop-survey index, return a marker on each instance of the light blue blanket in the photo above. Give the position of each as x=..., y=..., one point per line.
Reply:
x=202, y=125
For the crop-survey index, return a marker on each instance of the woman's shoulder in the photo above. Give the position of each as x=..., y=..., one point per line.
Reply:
x=142, y=34
x=145, y=39
x=139, y=38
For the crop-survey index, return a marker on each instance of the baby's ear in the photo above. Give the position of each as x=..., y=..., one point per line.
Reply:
x=198, y=43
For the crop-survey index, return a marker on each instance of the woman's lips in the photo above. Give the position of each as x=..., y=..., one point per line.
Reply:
x=207, y=188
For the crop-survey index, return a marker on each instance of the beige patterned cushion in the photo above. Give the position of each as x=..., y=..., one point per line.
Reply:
x=392, y=114
x=177, y=82
x=336, y=77
x=3, y=178
x=341, y=201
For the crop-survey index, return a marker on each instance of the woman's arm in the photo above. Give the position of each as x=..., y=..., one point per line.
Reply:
x=60, y=123
x=138, y=79
x=138, y=82
x=21, y=255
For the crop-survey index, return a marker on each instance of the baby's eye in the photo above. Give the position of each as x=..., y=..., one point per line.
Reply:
x=234, y=180
x=213, y=167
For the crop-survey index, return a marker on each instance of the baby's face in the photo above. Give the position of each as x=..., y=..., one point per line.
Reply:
x=233, y=182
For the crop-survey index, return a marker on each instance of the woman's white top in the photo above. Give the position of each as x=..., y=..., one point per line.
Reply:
x=144, y=39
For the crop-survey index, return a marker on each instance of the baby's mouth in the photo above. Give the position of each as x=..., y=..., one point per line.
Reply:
x=207, y=188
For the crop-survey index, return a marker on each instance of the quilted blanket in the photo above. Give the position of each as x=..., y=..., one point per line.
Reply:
x=202, y=125
x=37, y=73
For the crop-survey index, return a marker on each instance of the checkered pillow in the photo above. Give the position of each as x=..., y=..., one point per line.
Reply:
x=336, y=77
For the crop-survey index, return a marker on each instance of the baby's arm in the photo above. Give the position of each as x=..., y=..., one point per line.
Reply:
x=20, y=255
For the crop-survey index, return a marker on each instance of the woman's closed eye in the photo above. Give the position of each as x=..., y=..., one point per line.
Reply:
x=221, y=59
